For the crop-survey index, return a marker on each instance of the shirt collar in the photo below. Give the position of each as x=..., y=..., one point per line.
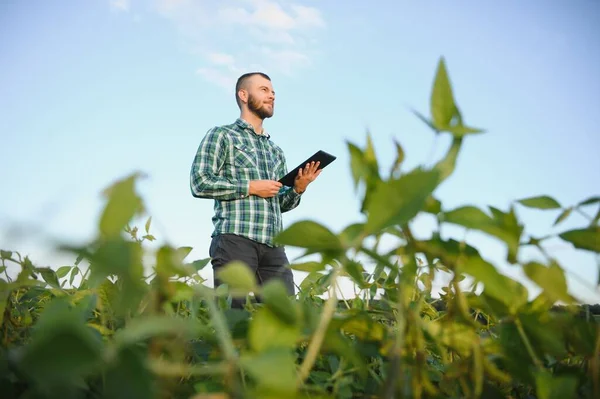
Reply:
x=245, y=125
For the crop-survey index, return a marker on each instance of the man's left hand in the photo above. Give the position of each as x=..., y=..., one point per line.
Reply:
x=306, y=175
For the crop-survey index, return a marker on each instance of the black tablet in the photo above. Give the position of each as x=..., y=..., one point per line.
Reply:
x=321, y=156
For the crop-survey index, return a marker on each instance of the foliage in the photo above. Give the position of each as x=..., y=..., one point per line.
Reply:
x=111, y=330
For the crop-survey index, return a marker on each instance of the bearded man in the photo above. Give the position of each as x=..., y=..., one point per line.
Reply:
x=238, y=166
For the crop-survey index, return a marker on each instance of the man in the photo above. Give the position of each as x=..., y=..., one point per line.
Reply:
x=238, y=166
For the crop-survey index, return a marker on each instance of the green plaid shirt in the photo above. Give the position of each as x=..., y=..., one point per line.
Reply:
x=227, y=159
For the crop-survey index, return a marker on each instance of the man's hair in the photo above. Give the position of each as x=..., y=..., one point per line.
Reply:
x=241, y=84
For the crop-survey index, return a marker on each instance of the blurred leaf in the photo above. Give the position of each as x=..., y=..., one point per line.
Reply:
x=442, y=100
x=456, y=336
x=169, y=261
x=550, y=386
x=564, y=214
x=5, y=254
x=273, y=369
x=308, y=234
x=123, y=203
x=141, y=328
x=588, y=239
x=238, y=276
x=308, y=266
x=363, y=327
x=275, y=296
x=503, y=225
x=147, y=226
x=425, y=120
x=496, y=284
x=268, y=331
x=589, y=201
x=63, y=271
x=399, y=159
x=62, y=347
x=74, y=273
x=551, y=279
x=199, y=264
x=398, y=201
x=432, y=205
x=540, y=202
x=128, y=377
x=462, y=130
x=360, y=170
x=49, y=276
x=355, y=270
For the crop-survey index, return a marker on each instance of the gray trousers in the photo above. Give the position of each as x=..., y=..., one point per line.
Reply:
x=266, y=262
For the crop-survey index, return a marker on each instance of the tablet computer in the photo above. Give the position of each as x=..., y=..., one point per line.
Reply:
x=321, y=156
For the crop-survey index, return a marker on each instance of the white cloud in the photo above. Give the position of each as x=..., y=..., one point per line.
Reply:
x=120, y=5
x=240, y=35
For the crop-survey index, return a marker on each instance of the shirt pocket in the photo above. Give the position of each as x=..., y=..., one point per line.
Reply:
x=244, y=156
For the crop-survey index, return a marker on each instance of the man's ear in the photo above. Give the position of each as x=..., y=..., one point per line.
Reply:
x=243, y=95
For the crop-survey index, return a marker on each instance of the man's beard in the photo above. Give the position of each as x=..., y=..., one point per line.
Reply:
x=259, y=109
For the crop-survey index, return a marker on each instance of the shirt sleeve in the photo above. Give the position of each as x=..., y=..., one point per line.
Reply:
x=288, y=198
x=206, y=177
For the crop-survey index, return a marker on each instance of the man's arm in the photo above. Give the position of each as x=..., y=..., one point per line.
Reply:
x=205, y=181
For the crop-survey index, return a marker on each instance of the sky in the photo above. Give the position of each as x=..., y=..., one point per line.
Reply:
x=91, y=91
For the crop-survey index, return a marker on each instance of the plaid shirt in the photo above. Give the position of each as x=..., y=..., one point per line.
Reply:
x=227, y=159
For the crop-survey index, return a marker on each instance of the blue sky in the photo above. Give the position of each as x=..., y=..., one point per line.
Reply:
x=91, y=91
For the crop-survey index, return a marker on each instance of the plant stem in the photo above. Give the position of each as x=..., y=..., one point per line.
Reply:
x=317, y=340
x=528, y=346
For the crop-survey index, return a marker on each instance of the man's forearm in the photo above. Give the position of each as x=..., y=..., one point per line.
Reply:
x=205, y=186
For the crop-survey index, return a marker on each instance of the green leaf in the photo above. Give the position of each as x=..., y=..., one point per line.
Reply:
x=398, y=201
x=140, y=329
x=589, y=201
x=550, y=386
x=123, y=203
x=503, y=226
x=308, y=267
x=275, y=297
x=62, y=348
x=268, y=331
x=239, y=277
x=446, y=165
x=564, y=214
x=495, y=284
x=63, y=271
x=588, y=239
x=169, y=261
x=540, y=202
x=432, y=205
x=442, y=100
x=127, y=376
x=200, y=264
x=355, y=270
x=352, y=235
x=273, y=369
x=399, y=159
x=358, y=165
x=551, y=279
x=5, y=254
x=147, y=226
x=311, y=235
x=74, y=273
x=49, y=276
x=425, y=120
x=462, y=130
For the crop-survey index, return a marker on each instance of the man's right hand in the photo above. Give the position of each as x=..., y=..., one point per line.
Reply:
x=264, y=188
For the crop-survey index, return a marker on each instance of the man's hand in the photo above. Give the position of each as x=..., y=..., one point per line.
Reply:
x=264, y=188
x=306, y=175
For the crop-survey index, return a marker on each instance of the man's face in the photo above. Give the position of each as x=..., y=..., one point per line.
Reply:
x=261, y=97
